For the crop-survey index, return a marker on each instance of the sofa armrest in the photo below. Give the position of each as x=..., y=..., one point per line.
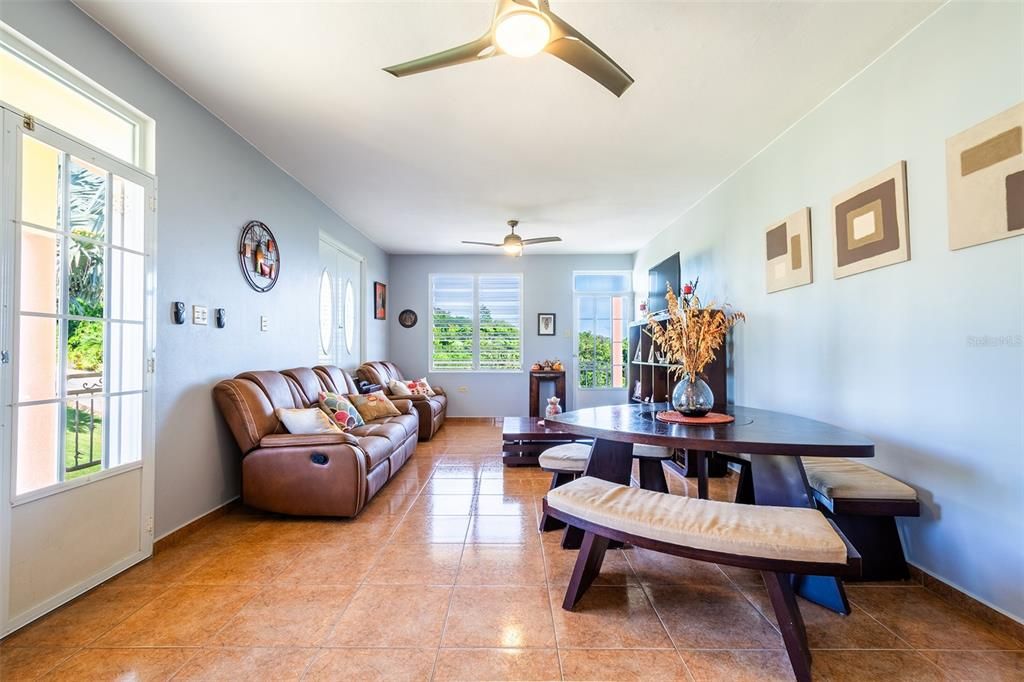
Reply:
x=404, y=405
x=317, y=480
x=438, y=390
x=415, y=398
x=285, y=440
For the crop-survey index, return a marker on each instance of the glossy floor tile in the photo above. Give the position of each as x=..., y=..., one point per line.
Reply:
x=445, y=576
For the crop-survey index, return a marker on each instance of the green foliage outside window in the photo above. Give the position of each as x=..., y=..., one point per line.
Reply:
x=453, y=342
x=594, y=356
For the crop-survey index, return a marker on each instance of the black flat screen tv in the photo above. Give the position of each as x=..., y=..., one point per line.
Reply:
x=658, y=278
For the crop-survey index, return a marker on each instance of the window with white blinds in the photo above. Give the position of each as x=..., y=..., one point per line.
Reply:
x=476, y=323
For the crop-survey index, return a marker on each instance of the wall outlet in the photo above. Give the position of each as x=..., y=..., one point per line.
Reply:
x=264, y=323
x=463, y=389
x=200, y=314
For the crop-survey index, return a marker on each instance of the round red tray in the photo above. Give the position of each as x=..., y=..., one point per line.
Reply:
x=672, y=417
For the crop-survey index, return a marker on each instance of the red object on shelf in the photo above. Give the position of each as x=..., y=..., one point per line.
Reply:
x=672, y=417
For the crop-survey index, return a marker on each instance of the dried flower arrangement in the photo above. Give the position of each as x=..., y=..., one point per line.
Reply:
x=693, y=333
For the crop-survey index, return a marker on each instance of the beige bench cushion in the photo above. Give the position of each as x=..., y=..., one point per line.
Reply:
x=748, y=530
x=568, y=457
x=651, y=451
x=842, y=479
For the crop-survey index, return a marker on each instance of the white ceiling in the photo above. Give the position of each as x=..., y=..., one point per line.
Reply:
x=422, y=162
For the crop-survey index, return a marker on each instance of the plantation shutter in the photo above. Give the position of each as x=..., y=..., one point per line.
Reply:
x=500, y=318
x=452, y=322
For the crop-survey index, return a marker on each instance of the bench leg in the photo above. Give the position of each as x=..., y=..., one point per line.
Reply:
x=652, y=476
x=549, y=522
x=572, y=538
x=791, y=623
x=745, y=486
x=878, y=542
x=588, y=566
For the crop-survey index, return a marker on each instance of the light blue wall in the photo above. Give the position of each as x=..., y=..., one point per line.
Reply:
x=211, y=182
x=547, y=288
x=888, y=352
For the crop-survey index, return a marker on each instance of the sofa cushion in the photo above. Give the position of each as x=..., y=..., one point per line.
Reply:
x=395, y=431
x=783, y=533
x=567, y=457
x=373, y=405
x=306, y=420
x=399, y=388
x=376, y=448
x=341, y=410
x=438, y=403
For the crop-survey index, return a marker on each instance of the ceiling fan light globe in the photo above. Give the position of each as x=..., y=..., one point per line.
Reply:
x=513, y=248
x=522, y=33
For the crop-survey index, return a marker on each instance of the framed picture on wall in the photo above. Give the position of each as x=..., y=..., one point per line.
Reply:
x=545, y=324
x=380, y=301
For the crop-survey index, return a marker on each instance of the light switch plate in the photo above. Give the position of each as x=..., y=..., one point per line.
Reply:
x=200, y=314
x=264, y=323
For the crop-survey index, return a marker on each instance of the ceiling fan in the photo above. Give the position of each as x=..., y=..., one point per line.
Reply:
x=522, y=28
x=513, y=244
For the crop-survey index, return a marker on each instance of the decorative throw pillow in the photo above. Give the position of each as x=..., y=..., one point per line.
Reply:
x=399, y=388
x=374, y=405
x=305, y=421
x=341, y=410
x=421, y=387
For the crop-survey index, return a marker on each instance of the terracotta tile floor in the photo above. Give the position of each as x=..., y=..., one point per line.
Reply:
x=444, y=576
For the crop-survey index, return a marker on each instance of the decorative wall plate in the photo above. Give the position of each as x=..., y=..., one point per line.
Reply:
x=407, y=318
x=259, y=256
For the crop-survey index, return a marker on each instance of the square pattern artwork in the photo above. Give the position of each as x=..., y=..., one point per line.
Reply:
x=788, y=252
x=985, y=178
x=870, y=223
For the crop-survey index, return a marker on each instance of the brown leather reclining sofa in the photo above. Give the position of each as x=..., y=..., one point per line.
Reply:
x=310, y=475
x=431, y=410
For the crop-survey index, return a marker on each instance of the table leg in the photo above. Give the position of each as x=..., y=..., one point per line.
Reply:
x=702, y=472
x=780, y=481
x=610, y=460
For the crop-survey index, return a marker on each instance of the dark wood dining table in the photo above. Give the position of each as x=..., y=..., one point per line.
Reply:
x=773, y=442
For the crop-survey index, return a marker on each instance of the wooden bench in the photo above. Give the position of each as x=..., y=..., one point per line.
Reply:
x=567, y=462
x=778, y=541
x=864, y=503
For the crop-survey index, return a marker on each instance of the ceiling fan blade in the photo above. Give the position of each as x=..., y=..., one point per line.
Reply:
x=541, y=240
x=481, y=243
x=481, y=48
x=574, y=49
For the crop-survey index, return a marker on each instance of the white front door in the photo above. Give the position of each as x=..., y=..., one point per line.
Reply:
x=341, y=301
x=76, y=481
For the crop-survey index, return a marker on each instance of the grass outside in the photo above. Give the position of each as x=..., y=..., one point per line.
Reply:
x=85, y=435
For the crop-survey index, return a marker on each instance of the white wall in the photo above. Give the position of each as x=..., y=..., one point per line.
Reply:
x=547, y=288
x=887, y=353
x=211, y=182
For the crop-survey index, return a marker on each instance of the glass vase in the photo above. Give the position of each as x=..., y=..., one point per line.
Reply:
x=692, y=396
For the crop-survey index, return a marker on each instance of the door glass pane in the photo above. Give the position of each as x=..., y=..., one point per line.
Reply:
x=40, y=271
x=37, y=445
x=40, y=187
x=85, y=278
x=326, y=312
x=350, y=316
x=587, y=307
x=126, y=357
x=125, y=429
x=603, y=305
x=83, y=434
x=87, y=199
x=39, y=359
x=133, y=286
x=85, y=355
x=127, y=219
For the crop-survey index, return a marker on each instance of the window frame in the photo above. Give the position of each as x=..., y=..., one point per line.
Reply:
x=627, y=295
x=144, y=143
x=476, y=322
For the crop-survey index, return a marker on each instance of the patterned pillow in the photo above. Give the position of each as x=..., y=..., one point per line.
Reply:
x=399, y=388
x=421, y=387
x=341, y=410
x=306, y=421
x=374, y=405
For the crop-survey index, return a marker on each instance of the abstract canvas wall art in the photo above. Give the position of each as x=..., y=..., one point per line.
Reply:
x=985, y=179
x=788, y=252
x=870, y=223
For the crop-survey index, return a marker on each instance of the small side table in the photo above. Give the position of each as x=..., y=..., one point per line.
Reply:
x=545, y=375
